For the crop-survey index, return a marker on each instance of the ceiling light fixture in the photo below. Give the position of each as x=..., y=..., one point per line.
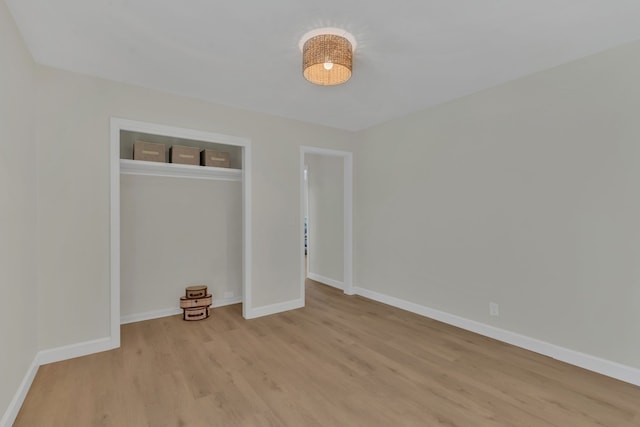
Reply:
x=327, y=56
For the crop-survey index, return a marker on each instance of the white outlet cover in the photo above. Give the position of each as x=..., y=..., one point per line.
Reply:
x=494, y=309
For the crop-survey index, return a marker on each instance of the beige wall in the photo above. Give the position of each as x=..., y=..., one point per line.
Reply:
x=526, y=195
x=174, y=233
x=18, y=303
x=73, y=172
x=326, y=216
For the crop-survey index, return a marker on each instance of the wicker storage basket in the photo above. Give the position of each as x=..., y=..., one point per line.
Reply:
x=196, y=291
x=197, y=313
x=185, y=155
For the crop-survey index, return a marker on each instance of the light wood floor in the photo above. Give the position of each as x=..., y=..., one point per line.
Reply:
x=341, y=361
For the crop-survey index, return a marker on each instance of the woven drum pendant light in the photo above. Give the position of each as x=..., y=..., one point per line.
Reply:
x=327, y=58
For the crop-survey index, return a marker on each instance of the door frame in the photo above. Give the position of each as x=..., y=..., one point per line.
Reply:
x=347, y=158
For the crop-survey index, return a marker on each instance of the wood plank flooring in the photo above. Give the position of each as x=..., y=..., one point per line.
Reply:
x=340, y=361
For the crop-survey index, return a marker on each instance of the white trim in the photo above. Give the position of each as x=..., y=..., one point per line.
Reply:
x=267, y=310
x=76, y=350
x=114, y=230
x=326, y=280
x=177, y=132
x=247, y=258
x=117, y=125
x=324, y=151
x=149, y=315
x=172, y=311
x=221, y=302
x=11, y=413
x=174, y=170
x=303, y=210
x=602, y=366
x=347, y=284
x=82, y=349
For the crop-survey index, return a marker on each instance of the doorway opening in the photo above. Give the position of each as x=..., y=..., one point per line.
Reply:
x=326, y=217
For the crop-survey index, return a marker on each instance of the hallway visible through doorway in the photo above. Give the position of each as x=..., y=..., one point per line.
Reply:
x=326, y=209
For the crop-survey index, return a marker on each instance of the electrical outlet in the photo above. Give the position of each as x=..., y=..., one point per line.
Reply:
x=494, y=309
x=228, y=294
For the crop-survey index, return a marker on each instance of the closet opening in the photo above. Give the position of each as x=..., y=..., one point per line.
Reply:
x=180, y=223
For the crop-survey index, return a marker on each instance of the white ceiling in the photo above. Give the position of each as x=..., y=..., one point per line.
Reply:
x=411, y=54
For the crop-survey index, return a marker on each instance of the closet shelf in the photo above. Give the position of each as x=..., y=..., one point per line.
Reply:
x=139, y=167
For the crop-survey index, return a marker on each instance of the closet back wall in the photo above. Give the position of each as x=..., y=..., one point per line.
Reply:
x=176, y=232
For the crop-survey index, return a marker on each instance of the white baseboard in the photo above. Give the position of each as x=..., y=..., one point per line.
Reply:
x=11, y=413
x=44, y=357
x=172, y=311
x=326, y=280
x=350, y=291
x=75, y=350
x=602, y=366
x=82, y=349
x=266, y=310
x=148, y=315
x=226, y=301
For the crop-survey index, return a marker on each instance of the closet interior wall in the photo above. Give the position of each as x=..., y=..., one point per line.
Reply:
x=177, y=232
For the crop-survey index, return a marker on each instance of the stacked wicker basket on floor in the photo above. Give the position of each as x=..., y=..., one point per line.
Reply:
x=196, y=303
